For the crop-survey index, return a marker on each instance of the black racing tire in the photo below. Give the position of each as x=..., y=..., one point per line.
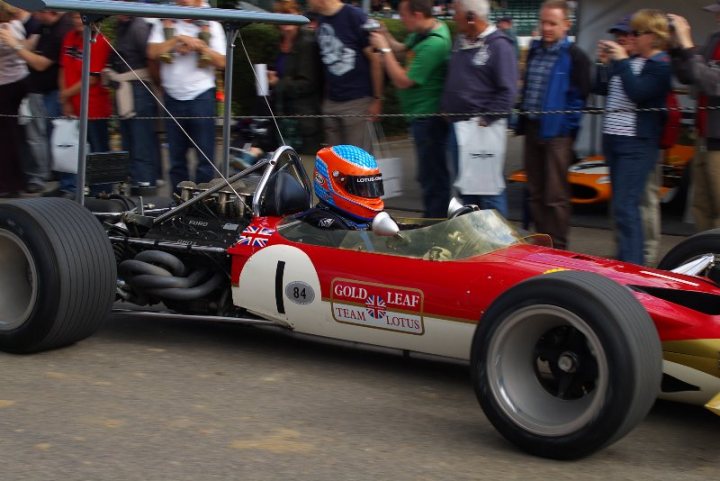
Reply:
x=58, y=275
x=707, y=242
x=566, y=363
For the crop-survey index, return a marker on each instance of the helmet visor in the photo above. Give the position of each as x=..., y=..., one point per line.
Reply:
x=368, y=186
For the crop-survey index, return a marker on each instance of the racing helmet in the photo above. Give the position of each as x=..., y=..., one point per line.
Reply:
x=348, y=180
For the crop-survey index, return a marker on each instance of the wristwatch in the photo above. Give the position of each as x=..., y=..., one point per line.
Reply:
x=383, y=51
x=18, y=46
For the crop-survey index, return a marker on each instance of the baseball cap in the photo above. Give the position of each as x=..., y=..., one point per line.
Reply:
x=715, y=7
x=623, y=25
x=507, y=18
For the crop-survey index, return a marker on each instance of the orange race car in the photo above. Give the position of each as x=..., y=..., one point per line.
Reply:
x=590, y=179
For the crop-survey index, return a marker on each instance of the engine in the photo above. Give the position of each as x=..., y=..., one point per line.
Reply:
x=181, y=260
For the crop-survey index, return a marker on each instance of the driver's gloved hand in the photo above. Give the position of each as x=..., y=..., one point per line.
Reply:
x=438, y=253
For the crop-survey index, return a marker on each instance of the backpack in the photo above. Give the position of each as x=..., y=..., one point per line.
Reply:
x=671, y=131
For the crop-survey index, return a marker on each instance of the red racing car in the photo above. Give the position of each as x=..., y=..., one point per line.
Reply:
x=568, y=352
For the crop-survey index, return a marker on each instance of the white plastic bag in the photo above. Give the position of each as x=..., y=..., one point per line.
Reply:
x=64, y=143
x=390, y=167
x=481, y=152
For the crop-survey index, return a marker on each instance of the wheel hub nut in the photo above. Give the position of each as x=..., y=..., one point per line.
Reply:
x=567, y=362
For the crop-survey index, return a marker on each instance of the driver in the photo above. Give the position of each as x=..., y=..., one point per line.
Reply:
x=348, y=184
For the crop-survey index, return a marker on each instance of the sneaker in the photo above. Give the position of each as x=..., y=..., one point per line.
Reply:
x=34, y=188
x=59, y=193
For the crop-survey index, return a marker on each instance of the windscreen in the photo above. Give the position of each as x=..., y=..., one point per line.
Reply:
x=469, y=235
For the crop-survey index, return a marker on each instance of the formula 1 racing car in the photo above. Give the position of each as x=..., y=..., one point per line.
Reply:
x=568, y=352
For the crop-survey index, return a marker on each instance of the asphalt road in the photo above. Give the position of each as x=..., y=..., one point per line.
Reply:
x=168, y=400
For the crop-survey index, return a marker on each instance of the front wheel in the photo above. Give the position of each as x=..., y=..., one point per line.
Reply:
x=565, y=364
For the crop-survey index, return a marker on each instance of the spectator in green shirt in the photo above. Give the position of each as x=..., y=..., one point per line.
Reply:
x=417, y=68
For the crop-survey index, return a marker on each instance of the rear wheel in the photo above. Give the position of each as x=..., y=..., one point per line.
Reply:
x=57, y=284
x=566, y=363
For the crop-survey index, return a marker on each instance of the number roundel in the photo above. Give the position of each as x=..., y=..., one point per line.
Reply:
x=300, y=292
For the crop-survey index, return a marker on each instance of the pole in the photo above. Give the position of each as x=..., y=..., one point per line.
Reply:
x=231, y=32
x=84, y=100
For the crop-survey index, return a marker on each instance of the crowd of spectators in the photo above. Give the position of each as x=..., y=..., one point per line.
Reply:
x=338, y=65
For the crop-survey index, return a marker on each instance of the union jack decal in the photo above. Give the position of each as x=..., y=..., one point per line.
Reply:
x=375, y=306
x=255, y=236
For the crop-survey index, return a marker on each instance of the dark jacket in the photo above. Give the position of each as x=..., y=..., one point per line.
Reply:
x=567, y=89
x=695, y=67
x=649, y=89
x=482, y=79
x=300, y=90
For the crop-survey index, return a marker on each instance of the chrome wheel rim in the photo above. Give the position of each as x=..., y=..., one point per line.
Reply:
x=547, y=370
x=18, y=282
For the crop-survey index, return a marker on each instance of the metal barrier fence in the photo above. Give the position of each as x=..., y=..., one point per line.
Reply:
x=587, y=110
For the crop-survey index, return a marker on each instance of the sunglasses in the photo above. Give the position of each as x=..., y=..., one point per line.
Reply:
x=637, y=33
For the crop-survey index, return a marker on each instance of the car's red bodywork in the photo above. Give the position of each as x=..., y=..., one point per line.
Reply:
x=460, y=291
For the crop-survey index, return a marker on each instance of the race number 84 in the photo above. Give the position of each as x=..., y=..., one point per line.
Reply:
x=300, y=292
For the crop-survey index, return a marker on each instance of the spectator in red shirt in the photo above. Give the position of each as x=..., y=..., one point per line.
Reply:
x=100, y=108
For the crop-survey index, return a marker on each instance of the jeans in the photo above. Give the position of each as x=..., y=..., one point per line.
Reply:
x=99, y=140
x=51, y=102
x=630, y=160
x=37, y=159
x=140, y=139
x=202, y=131
x=497, y=201
x=430, y=136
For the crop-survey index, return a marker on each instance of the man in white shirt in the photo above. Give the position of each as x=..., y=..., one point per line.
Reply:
x=189, y=90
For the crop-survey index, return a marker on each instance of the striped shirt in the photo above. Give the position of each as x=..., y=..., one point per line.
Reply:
x=621, y=123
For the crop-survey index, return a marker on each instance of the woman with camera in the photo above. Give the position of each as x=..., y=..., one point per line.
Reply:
x=631, y=134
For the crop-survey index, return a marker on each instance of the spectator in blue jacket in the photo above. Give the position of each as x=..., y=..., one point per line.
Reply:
x=557, y=79
x=631, y=140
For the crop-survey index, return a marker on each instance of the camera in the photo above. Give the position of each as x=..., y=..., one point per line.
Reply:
x=371, y=25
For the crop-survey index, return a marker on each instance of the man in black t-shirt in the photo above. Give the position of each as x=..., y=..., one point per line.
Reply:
x=353, y=73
